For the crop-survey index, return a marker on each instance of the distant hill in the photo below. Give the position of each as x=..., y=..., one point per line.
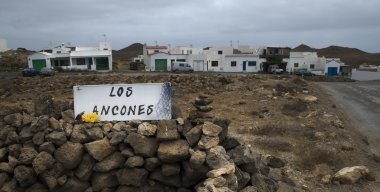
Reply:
x=350, y=56
x=127, y=53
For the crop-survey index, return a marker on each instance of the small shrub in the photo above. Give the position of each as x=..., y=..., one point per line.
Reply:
x=294, y=108
x=310, y=156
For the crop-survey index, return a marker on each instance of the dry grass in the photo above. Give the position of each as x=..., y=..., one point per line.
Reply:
x=279, y=144
x=294, y=108
x=309, y=156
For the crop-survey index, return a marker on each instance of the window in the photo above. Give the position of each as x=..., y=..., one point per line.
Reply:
x=181, y=60
x=251, y=63
x=181, y=65
x=312, y=66
x=214, y=63
x=156, y=51
x=220, y=52
x=81, y=61
x=233, y=63
x=295, y=64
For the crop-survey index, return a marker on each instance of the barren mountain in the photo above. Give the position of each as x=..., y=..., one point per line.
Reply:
x=127, y=53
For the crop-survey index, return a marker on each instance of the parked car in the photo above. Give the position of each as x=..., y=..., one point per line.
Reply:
x=30, y=72
x=47, y=72
x=181, y=67
x=275, y=69
x=304, y=72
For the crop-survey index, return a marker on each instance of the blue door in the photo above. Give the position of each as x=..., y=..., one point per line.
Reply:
x=332, y=71
x=244, y=65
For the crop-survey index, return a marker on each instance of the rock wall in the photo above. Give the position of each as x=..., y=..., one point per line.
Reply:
x=48, y=151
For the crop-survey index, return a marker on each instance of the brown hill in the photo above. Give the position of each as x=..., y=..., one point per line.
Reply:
x=350, y=56
x=127, y=53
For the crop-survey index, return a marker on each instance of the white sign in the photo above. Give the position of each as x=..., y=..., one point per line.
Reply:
x=122, y=102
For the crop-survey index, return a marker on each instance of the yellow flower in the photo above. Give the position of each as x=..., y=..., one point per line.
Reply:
x=90, y=117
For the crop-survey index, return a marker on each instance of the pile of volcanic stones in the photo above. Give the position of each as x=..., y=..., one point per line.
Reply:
x=57, y=153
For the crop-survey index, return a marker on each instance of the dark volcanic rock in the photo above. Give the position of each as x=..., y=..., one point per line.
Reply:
x=85, y=168
x=14, y=119
x=99, y=149
x=173, y=151
x=132, y=176
x=100, y=181
x=27, y=155
x=147, y=147
x=167, y=130
x=69, y=154
x=193, y=135
x=25, y=175
x=57, y=138
x=42, y=162
x=113, y=161
x=173, y=180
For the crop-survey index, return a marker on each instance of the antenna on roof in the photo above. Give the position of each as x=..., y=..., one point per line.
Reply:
x=231, y=43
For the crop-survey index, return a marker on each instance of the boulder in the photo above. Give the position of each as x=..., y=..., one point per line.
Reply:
x=68, y=115
x=197, y=158
x=57, y=138
x=173, y=151
x=94, y=133
x=74, y=184
x=38, y=138
x=147, y=129
x=350, y=175
x=263, y=183
x=230, y=143
x=54, y=123
x=192, y=176
x=79, y=134
x=85, y=168
x=135, y=161
x=117, y=137
x=225, y=170
x=14, y=150
x=99, y=149
x=210, y=129
x=113, y=161
x=12, y=138
x=243, y=178
x=6, y=167
x=193, y=135
x=173, y=180
x=217, y=182
x=47, y=147
x=151, y=163
x=3, y=153
x=25, y=134
x=14, y=119
x=127, y=152
x=216, y=157
x=274, y=162
x=170, y=169
x=249, y=189
x=69, y=154
x=132, y=176
x=40, y=123
x=144, y=146
x=100, y=181
x=42, y=162
x=167, y=130
x=27, y=155
x=3, y=178
x=25, y=175
x=207, y=142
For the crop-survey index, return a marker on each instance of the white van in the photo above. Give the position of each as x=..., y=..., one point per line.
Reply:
x=181, y=67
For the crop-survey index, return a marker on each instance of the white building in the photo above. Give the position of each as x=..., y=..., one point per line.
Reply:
x=306, y=60
x=3, y=45
x=242, y=63
x=78, y=58
x=333, y=66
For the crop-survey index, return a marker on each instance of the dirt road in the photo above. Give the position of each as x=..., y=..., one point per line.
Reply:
x=362, y=101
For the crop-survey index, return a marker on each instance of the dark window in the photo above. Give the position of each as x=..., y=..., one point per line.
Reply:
x=220, y=52
x=181, y=65
x=295, y=64
x=312, y=66
x=156, y=51
x=81, y=61
x=214, y=63
x=233, y=63
x=251, y=63
x=181, y=60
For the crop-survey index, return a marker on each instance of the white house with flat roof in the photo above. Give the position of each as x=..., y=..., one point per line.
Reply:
x=74, y=58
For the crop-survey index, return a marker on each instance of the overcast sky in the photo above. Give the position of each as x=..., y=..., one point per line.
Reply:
x=35, y=24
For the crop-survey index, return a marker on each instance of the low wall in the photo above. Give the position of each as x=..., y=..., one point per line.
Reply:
x=361, y=75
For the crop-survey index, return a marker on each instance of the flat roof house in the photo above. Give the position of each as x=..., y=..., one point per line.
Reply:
x=74, y=58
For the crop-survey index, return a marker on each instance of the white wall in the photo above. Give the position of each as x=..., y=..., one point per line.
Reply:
x=304, y=60
x=359, y=75
x=38, y=56
x=239, y=64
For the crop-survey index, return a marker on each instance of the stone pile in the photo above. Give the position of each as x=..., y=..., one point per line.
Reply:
x=51, y=152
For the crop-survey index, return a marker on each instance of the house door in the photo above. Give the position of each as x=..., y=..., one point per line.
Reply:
x=161, y=65
x=332, y=71
x=38, y=64
x=198, y=65
x=244, y=65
